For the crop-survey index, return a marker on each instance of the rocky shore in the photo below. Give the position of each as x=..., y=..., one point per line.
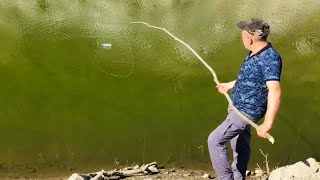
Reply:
x=308, y=169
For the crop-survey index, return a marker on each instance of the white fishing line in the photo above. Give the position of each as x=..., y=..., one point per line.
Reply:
x=108, y=46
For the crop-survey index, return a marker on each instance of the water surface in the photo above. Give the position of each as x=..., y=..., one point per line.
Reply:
x=65, y=99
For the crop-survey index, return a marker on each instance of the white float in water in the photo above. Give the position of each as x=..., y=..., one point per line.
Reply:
x=106, y=45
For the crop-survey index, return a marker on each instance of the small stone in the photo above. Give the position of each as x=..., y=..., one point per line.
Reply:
x=74, y=176
x=206, y=175
x=153, y=169
x=258, y=172
x=248, y=173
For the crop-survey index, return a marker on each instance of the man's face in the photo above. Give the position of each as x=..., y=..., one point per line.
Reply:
x=246, y=39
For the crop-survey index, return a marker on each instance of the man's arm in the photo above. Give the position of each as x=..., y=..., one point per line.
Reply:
x=274, y=98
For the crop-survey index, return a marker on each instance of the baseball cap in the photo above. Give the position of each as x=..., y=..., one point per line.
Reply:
x=256, y=27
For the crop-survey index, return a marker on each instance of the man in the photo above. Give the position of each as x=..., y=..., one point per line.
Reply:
x=256, y=93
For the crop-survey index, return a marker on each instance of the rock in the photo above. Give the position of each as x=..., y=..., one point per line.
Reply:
x=207, y=176
x=315, y=176
x=153, y=169
x=258, y=172
x=161, y=166
x=248, y=173
x=308, y=169
x=75, y=176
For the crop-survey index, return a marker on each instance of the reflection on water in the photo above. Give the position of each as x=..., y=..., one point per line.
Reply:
x=147, y=97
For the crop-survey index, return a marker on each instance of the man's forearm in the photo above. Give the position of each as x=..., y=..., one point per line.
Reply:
x=274, y=99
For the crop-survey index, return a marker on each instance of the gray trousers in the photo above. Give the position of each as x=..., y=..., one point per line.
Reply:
x=237, y=131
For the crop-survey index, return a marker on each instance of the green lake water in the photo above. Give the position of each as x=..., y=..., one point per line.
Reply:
x=65, y=99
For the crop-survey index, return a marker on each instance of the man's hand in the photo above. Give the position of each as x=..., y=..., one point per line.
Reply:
x=225, y=87
x=263, y=129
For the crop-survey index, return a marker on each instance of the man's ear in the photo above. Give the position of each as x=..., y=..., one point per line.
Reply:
x=251, y=41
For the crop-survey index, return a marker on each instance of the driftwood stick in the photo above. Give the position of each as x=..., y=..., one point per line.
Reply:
x=136, y=171
x=125, y=173
x=99, y=174
x=215, y=78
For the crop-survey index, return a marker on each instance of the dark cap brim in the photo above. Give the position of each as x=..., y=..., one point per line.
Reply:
x=242, y=24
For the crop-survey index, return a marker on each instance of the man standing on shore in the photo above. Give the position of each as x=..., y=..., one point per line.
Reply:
x=256, y=93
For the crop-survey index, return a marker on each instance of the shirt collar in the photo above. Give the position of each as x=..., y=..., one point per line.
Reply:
x=260, y=51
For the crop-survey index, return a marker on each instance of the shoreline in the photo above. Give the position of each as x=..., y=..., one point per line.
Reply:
x=308, y=169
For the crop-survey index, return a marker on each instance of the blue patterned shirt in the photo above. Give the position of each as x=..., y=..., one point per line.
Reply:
x=250, y=92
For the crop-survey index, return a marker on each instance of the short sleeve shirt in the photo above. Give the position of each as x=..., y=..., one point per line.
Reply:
x=250, y=92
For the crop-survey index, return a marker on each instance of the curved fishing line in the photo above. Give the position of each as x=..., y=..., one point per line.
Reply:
x=215, y=78
x=117, y=75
